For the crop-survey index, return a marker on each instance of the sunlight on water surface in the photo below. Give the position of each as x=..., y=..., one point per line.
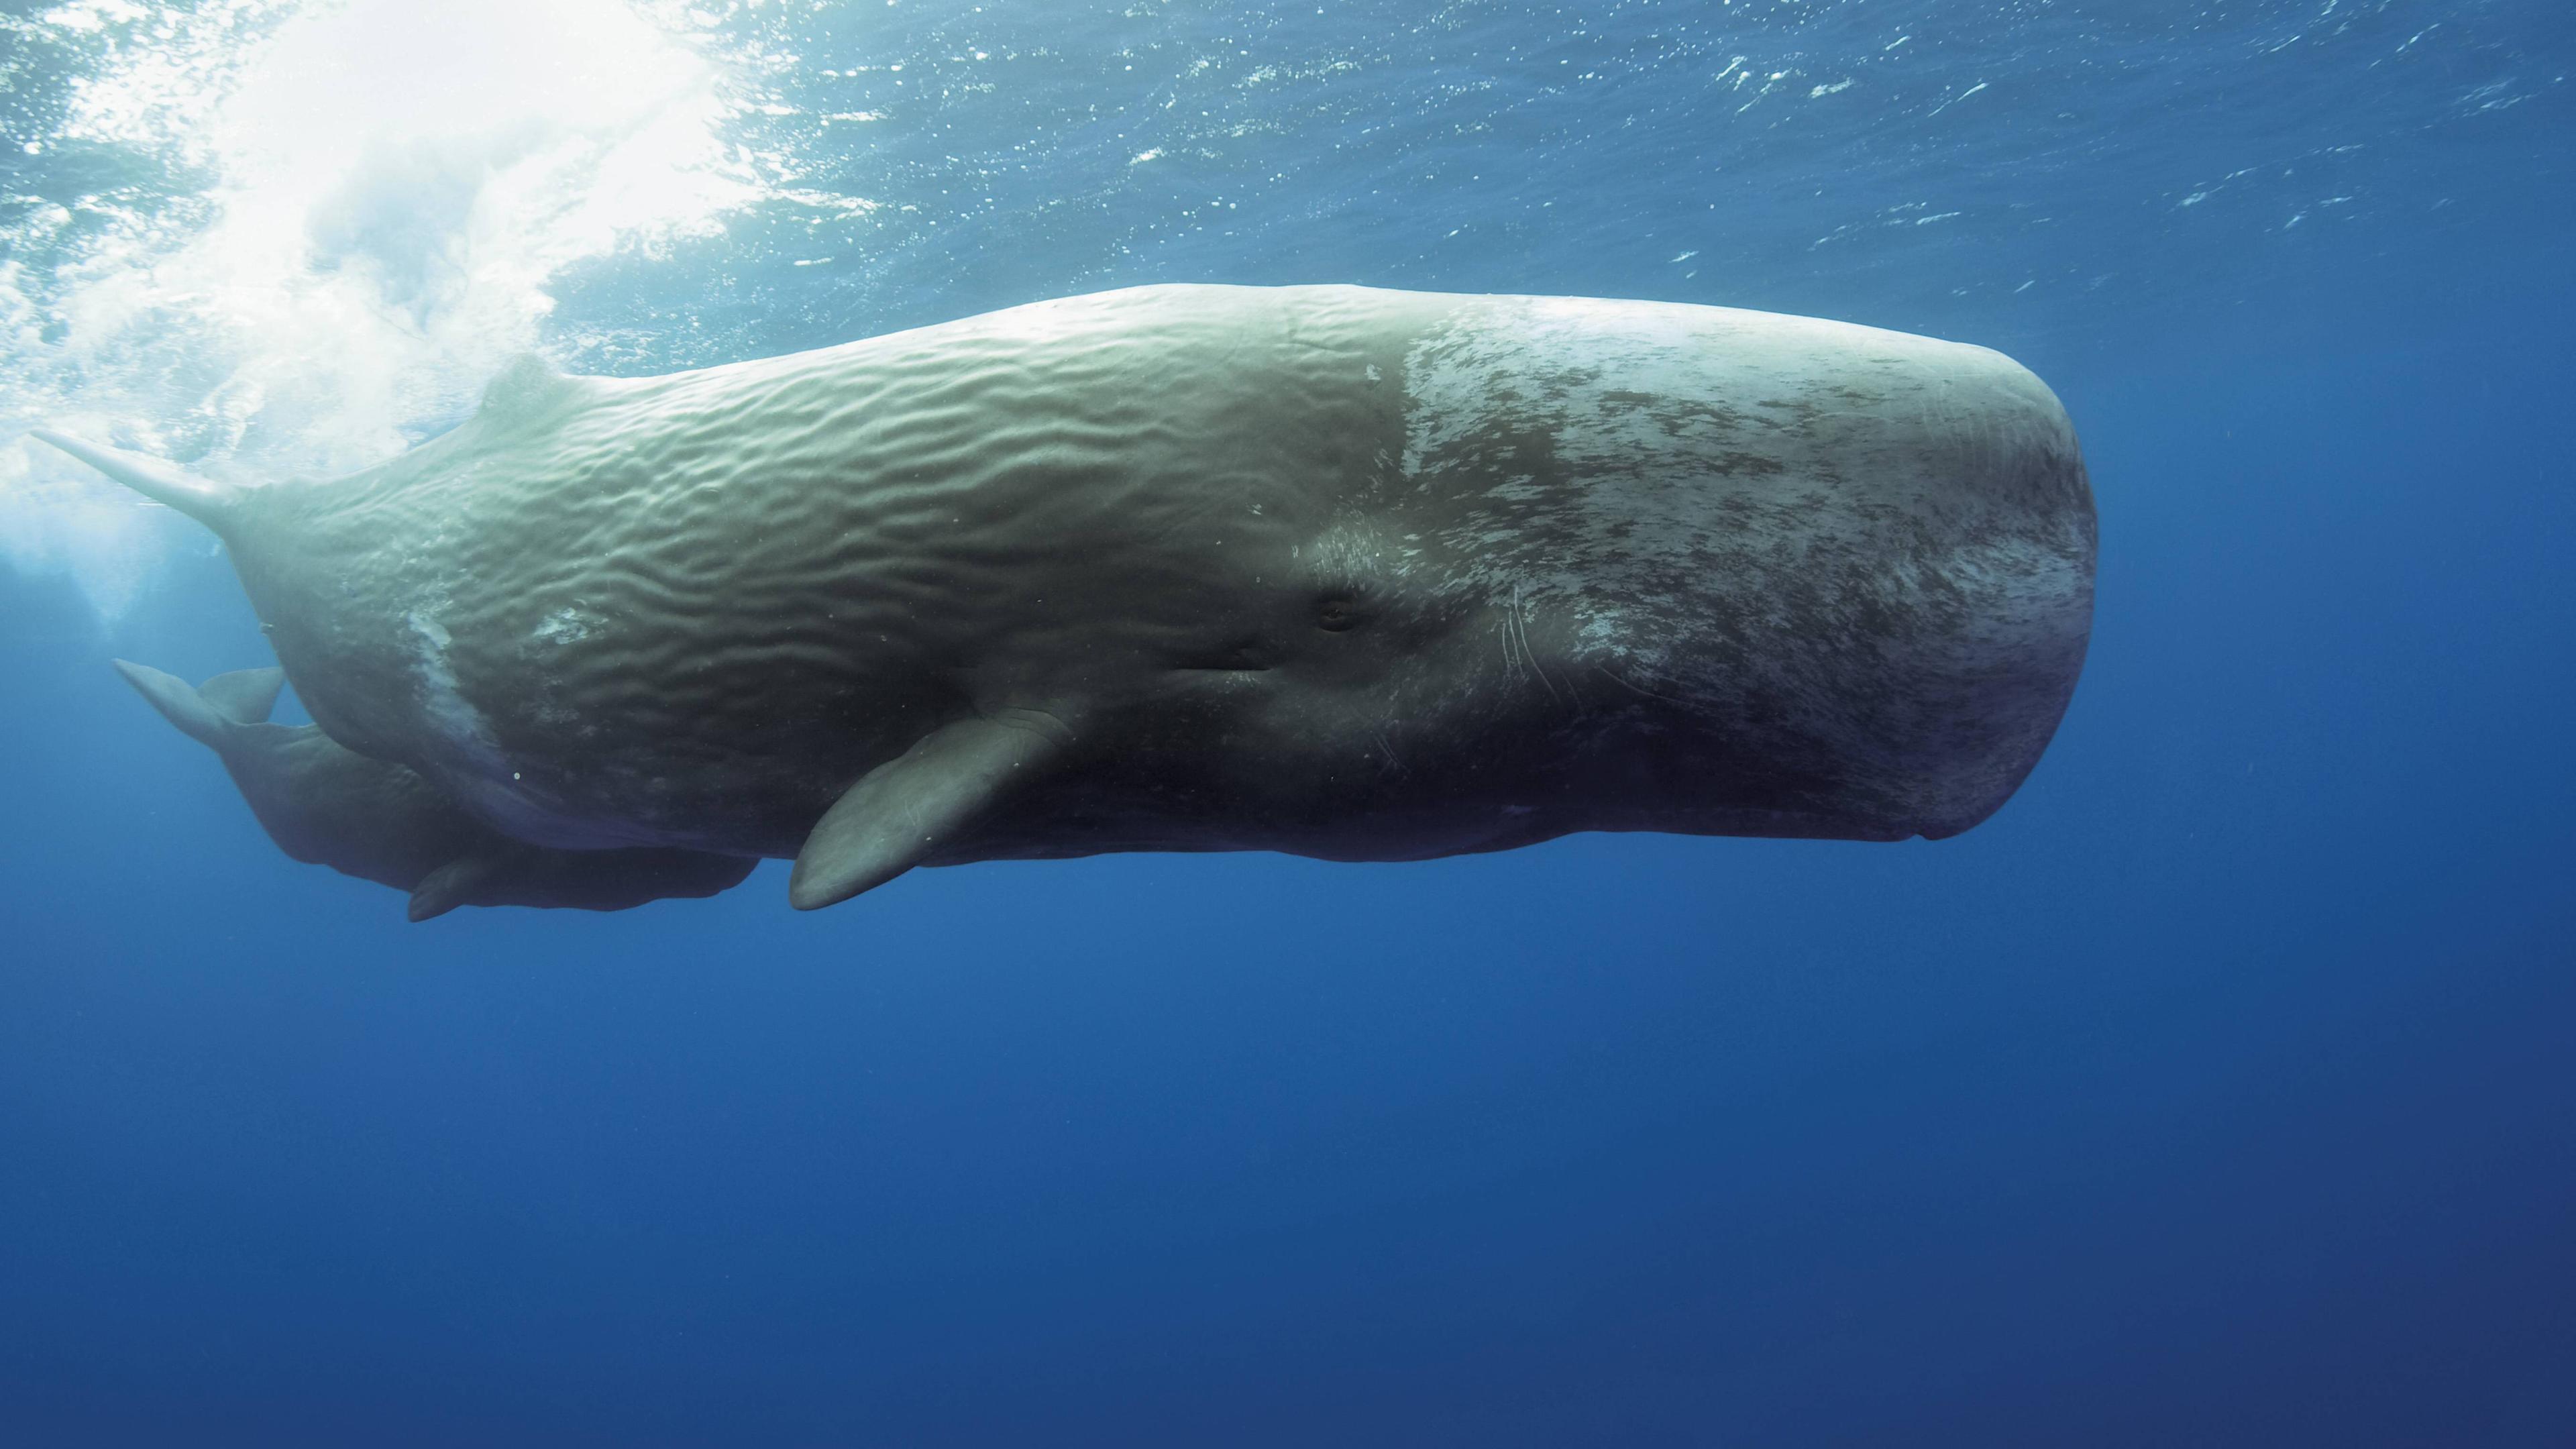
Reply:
x=392, y=187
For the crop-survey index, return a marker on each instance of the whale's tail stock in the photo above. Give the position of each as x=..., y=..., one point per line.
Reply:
x=208, y=500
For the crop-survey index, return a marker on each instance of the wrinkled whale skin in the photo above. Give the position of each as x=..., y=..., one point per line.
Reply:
x=1348, y=573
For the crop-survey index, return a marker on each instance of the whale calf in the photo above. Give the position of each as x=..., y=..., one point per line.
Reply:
x=325, y=805
x=1336, y=571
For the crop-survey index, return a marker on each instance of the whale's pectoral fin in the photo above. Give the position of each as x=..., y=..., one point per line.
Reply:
x=460, y=882
x=206, y=713
x=904, y=811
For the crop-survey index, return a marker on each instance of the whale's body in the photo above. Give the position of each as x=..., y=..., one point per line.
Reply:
x=1349, y=573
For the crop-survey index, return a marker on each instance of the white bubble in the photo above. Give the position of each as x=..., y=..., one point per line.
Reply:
x=397, y=187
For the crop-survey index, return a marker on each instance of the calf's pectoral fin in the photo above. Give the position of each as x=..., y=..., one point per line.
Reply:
x=513, y=873
x=905, y=811
x=454, y=884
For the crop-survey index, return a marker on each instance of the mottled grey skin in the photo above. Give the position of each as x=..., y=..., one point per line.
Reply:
x=1346, y=573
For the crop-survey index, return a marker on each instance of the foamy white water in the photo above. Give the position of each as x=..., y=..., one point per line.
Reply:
x=393, y=187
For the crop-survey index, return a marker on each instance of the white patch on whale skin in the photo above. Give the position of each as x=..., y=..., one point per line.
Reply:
x=1575, y=370
x=567, y=625
x=476, y=768
x=547, y=699
x=1344, y=554
x=473, y=766
x=456, y=720
x=1451, y=374
x=1651, y=410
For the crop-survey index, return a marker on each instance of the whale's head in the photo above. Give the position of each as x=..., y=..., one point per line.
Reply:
x=1676, y=569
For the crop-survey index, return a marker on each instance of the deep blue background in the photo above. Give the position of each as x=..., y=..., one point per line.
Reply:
x=2220, y=1091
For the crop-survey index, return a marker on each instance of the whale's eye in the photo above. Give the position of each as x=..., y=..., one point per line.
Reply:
x=1336, y=613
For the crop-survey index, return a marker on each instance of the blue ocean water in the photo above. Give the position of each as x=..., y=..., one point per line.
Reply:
x=2219, y=1091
